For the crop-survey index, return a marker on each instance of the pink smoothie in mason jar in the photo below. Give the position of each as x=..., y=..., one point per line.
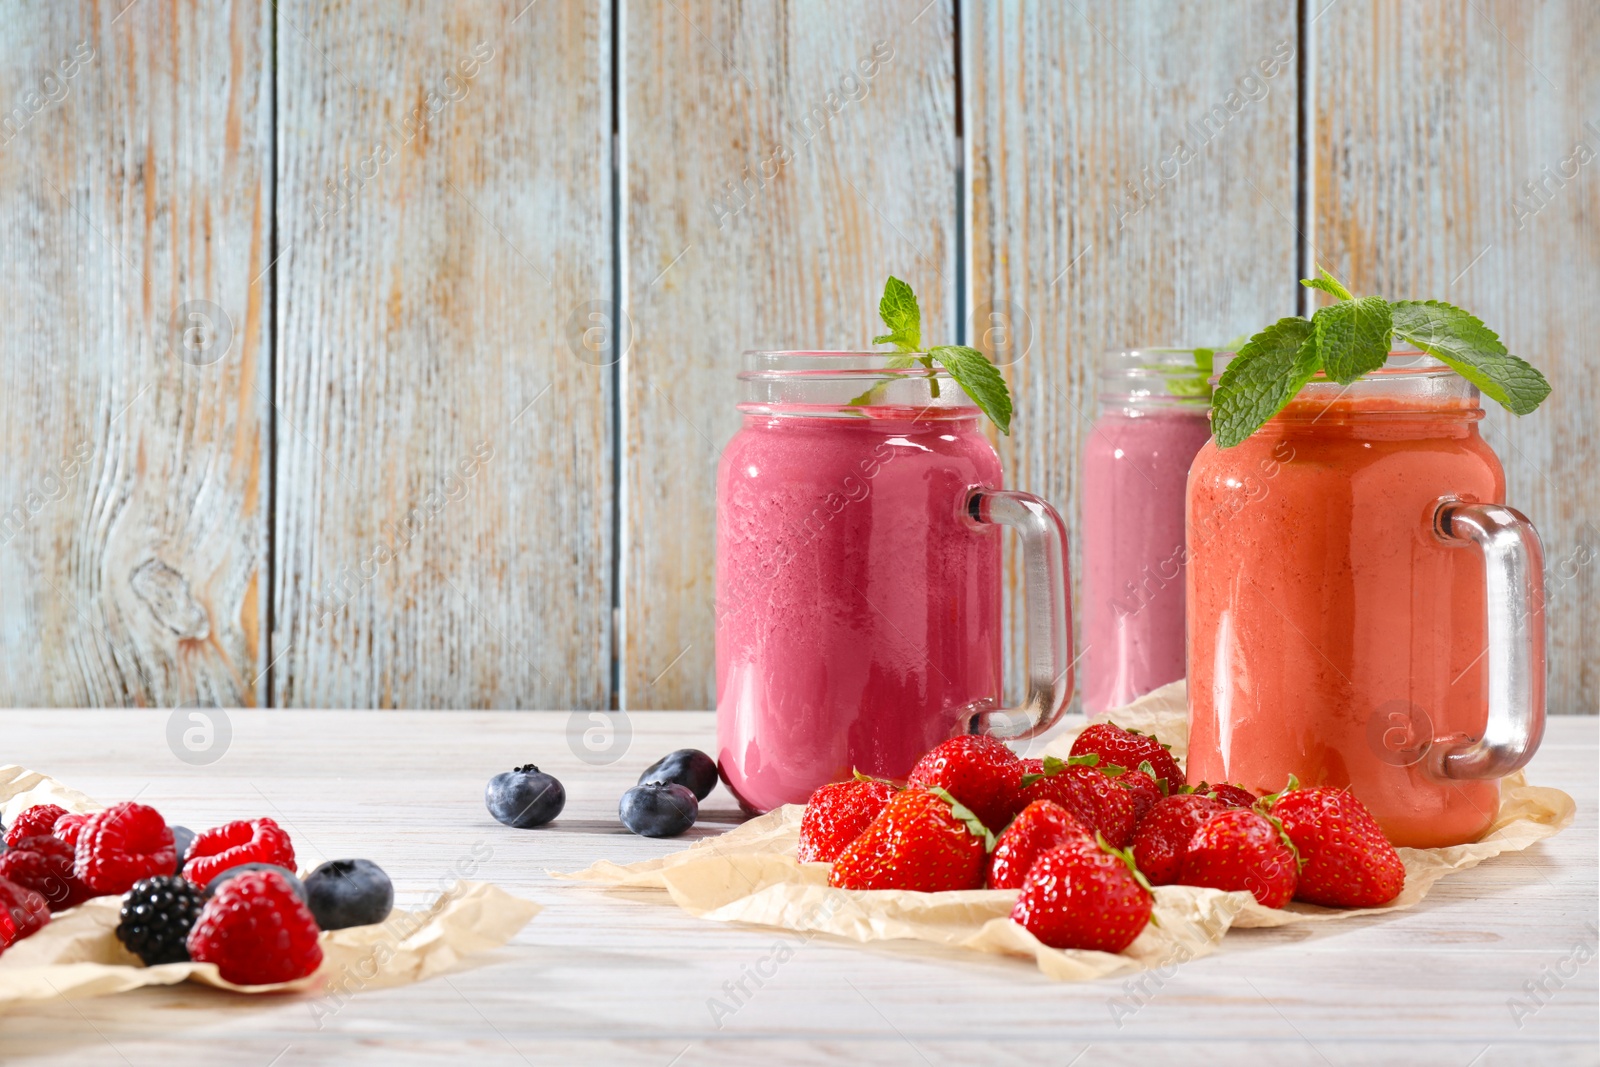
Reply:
x=1153, y=419
x=858, y=591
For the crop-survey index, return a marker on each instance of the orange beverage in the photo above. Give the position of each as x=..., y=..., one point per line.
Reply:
x=1341, y=628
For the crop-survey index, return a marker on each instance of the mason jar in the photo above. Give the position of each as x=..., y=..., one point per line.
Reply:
x=859, y=576
x=1364, y=609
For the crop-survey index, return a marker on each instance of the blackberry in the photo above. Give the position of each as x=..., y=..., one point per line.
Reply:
x=157, y=915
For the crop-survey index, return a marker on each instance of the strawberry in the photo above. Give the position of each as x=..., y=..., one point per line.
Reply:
x=1040, y=827
x=1142, y=786
x=1235, y=796
x=1241, y=849
x=837, y=814
x=1076, y=785
x=1128, y=748
x=1162, y=837
x=977, y=770
x=1347, y=862
x=1084, y=895
x=923, y=840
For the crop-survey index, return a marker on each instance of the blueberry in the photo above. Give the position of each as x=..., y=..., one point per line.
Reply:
x=525, y=797
x=688, y=767
x=288, y=876
x=658, y=809
x=349, y=893
x=182, y=838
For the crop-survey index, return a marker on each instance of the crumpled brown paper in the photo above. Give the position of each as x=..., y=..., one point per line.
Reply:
x=750, y=875
x=78, y=955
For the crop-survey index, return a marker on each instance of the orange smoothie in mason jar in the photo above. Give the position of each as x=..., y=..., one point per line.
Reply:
x=1333, y=633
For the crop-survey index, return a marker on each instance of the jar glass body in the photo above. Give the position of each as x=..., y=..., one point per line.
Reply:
x=1332, y=633
x=858, y=606
x=1152, y=418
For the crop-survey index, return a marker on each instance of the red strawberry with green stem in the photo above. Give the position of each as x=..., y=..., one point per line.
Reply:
x=1084, y=894
x=1239, y=849
x=838, y=813
x=1128, y=748
x=1347, y=862
x=923, y=840
x=1080, y=787
x=1040, y=827
x=1163, y=836
x=977, y=770
x=1140, y=784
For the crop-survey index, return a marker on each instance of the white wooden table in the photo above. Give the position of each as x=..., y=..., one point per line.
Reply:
x=598, y=978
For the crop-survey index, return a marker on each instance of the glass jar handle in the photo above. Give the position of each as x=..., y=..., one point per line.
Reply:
x=1513, y=562
x=1044, y=561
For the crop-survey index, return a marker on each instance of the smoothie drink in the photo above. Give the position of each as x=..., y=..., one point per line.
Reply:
x=858, y=611
x=1135, y=467
x=859, y=577
x=1333, y=633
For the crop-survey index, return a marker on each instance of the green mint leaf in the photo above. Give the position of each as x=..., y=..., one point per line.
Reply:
x=1472, y=350
x=1353, y=337
x=1328, y=284
x=1267, y=372
x=980, y=379
x=900, y=313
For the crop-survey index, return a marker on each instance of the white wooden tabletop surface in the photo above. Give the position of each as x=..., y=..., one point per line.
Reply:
x=598, y=978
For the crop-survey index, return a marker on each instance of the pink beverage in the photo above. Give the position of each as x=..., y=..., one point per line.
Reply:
x=859, y=576
x=1153, y=419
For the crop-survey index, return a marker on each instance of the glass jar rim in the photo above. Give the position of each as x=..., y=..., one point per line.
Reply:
x=1401, y=363
x=801, y=364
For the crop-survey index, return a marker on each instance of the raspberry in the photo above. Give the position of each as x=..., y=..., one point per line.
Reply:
x=39, y=819
x=68, y=827
x=44, y=864
x=22, y=912
x=233, y=843
x=157, y=915
x=256, y=931
x=121, y=845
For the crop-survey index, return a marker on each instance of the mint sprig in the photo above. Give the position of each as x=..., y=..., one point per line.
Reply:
x=1472, y=350
x=970, y=368
x=900, y=313
x=1352, y=338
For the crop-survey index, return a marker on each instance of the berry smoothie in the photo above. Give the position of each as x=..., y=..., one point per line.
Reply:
x=1332, y=635
x=858, y=608
x=1136, y=464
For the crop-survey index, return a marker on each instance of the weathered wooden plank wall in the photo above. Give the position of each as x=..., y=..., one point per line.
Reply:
x=1456, y=149
x=1132, y=182
x=399, y=483
x=134, y=193
x=443, y=519
x=770, y=184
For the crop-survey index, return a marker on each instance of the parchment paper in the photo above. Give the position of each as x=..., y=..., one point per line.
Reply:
x=78, y=955
x=750, y=875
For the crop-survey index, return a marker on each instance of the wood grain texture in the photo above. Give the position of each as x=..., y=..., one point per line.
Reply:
x=1432, y=119
x=443, y=525
x=770, y=187
x=134, y=179
x=603, y=977
x=1132, y=183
